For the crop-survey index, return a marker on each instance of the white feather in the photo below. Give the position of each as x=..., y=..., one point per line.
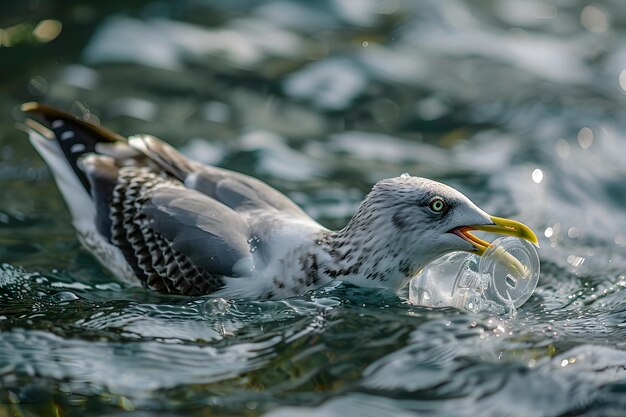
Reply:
x=78, y=200
x=81, y=207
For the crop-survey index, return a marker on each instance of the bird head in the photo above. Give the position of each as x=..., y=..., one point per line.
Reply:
x=425, y=219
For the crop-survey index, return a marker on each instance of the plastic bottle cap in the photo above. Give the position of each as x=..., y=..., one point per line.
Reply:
x=513, y=268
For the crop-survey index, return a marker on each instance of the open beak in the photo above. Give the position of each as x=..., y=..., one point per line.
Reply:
x=500, y=226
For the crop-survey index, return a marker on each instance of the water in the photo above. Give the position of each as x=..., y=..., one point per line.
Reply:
x=519, y=104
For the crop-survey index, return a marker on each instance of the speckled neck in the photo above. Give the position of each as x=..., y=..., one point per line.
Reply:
x=368, y=252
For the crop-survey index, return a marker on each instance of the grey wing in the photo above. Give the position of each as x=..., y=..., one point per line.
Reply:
x=237, y=191
x=176, y=240
x=213, y=236
x=241, y=192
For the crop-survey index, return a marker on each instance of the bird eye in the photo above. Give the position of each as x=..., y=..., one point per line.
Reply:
x=437, y=205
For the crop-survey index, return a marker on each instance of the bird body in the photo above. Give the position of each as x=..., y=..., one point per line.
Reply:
x=157, y=218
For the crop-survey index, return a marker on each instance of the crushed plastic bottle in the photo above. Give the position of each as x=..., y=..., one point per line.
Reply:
x=498, y=282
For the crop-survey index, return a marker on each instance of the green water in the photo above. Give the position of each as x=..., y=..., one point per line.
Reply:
x=518, y=104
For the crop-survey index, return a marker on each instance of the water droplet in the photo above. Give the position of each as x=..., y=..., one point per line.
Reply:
x=585, y=137
x=622, y=79
x=38, y=86
x=64, y=296
x=254, y=243
x=405, y=175
x=594, y=19
x=47, y=30
x=562, y=146
x=537, y=175
x=575, y=261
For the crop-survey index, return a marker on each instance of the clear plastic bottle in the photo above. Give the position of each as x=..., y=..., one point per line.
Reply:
x=501, y=280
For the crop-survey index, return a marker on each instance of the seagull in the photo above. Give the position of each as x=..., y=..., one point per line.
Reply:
x=154, y=217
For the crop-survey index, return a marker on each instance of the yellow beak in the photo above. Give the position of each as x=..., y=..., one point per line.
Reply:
x=500, y=226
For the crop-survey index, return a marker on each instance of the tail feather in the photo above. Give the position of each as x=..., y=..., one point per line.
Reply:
x=85, y=158
x=78, y=199
x=74, y=137
x=82, y=158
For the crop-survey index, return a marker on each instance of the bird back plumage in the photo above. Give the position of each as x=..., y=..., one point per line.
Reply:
x=130, y=202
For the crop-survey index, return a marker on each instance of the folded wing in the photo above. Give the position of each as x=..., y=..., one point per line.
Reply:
x=238, y=191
